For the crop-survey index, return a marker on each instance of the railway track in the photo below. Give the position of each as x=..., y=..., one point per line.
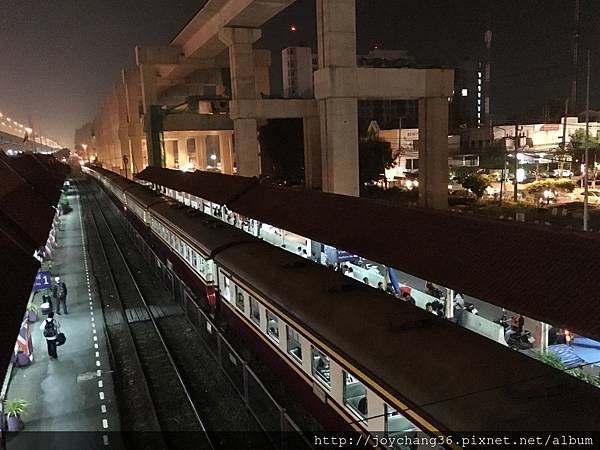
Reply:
x=152, y=395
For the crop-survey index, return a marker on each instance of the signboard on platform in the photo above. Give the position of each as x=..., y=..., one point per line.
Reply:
x=43, y=280
x=344, y=256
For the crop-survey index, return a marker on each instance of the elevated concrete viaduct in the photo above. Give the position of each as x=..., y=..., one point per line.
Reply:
x=213, y=60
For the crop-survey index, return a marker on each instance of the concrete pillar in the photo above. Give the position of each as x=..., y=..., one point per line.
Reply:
x=148, y=84
x=246, y=147
x=312, y=152
x=241, y=60
x=433, y=153
x=339, y=145
x=169, y=155
x=225, y=149
x=201, y=152
x=184, y=159
x=243, y=87
x=137, y=155
x=336, y=33
x=336, y=38
x=133, y=93
x=149, y=98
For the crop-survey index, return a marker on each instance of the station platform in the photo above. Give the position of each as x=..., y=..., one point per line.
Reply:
x=71, y=400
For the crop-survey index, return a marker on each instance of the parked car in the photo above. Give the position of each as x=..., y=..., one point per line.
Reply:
x=593, y=196
x=565, y=173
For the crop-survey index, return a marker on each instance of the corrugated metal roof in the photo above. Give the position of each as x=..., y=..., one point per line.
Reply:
x=540, y=272
x=214, y=187
x=29, y=190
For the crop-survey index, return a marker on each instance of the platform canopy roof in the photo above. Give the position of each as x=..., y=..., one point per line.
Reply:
x=543, y=273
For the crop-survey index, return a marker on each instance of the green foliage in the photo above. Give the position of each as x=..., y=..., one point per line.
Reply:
x=32, y=307
x=477, y=184
x=374, y=157
x=578, y=139
x=553, y=360
x=537, y=187
x=15, y=407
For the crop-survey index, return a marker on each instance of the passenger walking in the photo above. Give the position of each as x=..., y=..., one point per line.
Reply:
x=59, y=292
x=51, y=329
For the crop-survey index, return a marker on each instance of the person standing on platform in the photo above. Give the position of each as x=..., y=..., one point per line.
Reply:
x=51, y=328
x=59, y=292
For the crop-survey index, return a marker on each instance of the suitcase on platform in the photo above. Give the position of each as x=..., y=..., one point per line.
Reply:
x=46, y=308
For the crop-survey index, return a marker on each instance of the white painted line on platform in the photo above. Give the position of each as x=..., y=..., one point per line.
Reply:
x=97, y=363
x=105, y=423
x=105, y=439
x=95, y=345
x=92, y=312
x=100, y=383
x=92, y=319
x=103, y=409
x=95, y=338
x=98, y=373
x=101, y=395
x=97, y=354
x=93, y=327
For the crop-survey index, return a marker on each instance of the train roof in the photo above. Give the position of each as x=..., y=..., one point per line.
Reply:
x=203, y=231
x=144, y=195
x=542, y=273
x=460, y=381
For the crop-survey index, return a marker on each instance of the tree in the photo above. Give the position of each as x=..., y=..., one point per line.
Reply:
x=477, y=184
x=374, y=157
x=577, y=144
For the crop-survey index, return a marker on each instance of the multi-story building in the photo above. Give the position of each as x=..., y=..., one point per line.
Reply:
x=297, y=65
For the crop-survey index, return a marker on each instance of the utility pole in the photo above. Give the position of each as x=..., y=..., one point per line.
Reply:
x=561, y=162
x=575, y=59
x=587, y=146
x=400, y=135
x=516, y=182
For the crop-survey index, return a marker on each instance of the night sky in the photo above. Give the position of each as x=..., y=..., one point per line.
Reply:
x=60, y=58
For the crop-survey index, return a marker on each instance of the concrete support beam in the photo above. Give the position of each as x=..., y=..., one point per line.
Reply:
x=273, y=109
x=433, y=152
x=339, y=145
x=312, y=152
x=372, y=83
x=225, y=148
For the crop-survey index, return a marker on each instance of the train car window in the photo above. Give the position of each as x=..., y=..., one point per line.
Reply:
x=320, y=366
x=194, y=259
x=226, y=289
x=397, y=426
x=239, y=299
x=355, y=395
x=254, y=311
x=272, y=325
x=293, y=344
